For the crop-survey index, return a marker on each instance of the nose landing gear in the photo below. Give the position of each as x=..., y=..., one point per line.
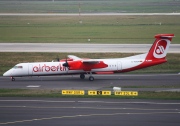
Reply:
x=12, y=79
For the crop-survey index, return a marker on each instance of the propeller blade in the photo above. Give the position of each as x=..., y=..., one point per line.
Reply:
x=66, y=64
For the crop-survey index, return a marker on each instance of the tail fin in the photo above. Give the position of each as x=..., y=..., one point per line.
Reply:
x=160, y=47
x=156, y=54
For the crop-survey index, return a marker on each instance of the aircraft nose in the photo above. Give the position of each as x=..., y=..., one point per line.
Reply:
x=7, y=74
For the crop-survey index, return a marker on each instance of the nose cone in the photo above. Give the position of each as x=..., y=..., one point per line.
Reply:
x=7, y=74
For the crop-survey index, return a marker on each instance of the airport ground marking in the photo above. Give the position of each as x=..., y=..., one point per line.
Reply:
x=74, y=116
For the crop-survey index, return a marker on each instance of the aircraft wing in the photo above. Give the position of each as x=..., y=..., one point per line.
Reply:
x=74, y=57
x=89, y=64
x=84, y=61
x=85, y=64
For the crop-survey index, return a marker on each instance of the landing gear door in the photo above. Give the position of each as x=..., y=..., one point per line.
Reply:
x=30, y=69
x=119, y=65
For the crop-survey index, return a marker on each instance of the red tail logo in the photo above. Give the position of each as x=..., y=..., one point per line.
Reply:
x=161, y=48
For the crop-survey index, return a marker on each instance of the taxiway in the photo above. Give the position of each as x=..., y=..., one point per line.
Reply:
x=63, y=47
x=88, y=111
x=153, y=82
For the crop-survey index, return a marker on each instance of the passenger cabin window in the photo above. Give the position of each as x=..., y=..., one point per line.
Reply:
x=18, y=67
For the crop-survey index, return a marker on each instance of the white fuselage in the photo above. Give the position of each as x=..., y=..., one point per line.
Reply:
x=57, y=68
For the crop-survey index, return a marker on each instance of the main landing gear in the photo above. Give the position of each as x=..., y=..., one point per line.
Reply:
x=91, y=78
x=12, y=79
x=82, y=76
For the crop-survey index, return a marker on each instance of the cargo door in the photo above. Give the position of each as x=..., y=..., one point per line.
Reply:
x=119, y=65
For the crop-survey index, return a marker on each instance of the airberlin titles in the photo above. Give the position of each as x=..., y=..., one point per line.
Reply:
x=49, y=68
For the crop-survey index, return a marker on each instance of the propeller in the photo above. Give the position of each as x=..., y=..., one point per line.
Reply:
x=66, y=64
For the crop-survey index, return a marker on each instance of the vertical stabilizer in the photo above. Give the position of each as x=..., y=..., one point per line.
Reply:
x=160, y=47
x=157, y=52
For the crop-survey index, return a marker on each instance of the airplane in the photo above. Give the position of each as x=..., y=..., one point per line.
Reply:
x=82, y=66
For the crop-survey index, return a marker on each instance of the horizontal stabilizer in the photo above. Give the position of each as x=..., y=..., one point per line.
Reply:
x=164, y=36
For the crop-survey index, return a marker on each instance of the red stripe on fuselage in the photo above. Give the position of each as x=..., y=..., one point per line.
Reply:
x=145, y=64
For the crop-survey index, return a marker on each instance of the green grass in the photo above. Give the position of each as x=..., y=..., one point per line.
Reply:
x=57, y=94
x=89, y=6
x=8, y=60
x=100, y=29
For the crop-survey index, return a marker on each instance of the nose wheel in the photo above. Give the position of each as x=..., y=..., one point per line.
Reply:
x=12, y=79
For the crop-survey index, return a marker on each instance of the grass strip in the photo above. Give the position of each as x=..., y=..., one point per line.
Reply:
x=57, y=94
x=89, y=6
x=75, y=29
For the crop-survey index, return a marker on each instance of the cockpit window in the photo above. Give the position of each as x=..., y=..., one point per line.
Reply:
x=17, y=67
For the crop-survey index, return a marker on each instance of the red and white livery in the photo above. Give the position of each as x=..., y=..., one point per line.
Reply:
x=76, y=65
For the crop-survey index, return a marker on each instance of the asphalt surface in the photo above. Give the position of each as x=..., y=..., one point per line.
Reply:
x=153, y=82
x=88, y=111
x=63, y=47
